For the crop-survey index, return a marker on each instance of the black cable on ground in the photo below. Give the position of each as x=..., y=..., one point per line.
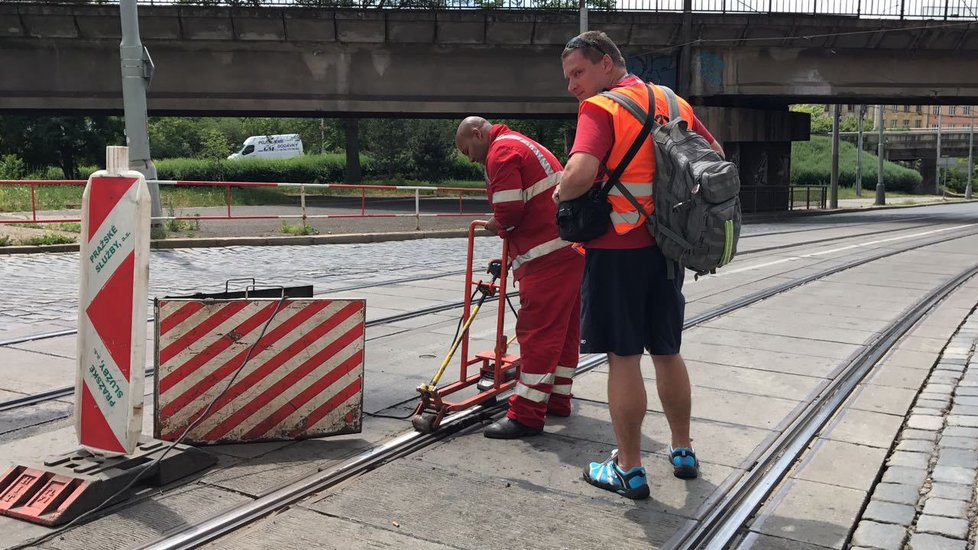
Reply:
x=149, y=466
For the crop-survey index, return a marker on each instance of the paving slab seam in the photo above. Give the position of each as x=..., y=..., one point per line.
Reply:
x=925, y=497
x=375, y=526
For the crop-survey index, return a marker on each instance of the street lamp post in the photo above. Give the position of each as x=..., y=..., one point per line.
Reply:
x=583, y=4
x=137, y=71
x=880, y=190
x=937, y=170
x=971, y=160
x=859, y=153
x=834, y=181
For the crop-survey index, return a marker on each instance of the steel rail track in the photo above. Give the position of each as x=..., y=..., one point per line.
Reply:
x=69, y=332
x=58, y=393
x=235, y=518
x=726, y=514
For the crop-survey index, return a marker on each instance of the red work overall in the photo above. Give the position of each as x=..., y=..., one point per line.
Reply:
x=521, y=175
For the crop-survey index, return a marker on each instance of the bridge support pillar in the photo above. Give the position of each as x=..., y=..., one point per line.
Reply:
x=929, y=184
x=758, y=141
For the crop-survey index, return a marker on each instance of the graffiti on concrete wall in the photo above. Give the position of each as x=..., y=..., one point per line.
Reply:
x=711, y=70
x=658, y=68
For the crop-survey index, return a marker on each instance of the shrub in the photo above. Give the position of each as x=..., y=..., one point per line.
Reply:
x=811, y=164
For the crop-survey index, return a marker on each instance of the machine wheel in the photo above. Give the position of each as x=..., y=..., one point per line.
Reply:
x=424, y=423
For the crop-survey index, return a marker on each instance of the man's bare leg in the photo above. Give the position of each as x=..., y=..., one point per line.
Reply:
x=627, y=402
x=672, y=383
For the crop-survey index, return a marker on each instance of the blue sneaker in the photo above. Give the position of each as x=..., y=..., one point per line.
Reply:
x=684, y=463
x=607, y=475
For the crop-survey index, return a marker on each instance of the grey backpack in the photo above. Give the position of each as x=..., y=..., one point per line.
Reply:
x=696, y=221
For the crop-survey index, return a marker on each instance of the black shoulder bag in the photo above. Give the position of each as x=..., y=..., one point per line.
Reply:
x=587, y=217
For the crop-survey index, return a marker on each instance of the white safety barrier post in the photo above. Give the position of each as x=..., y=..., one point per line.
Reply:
x=112, y=307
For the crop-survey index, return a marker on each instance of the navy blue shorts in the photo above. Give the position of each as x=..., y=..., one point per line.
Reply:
x=629, y=305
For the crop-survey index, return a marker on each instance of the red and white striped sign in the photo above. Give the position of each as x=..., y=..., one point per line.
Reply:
x=112, y=302
x=304, y=377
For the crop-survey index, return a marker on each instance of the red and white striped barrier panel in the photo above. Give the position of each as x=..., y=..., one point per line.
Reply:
x=112, y=302
x=304, y=377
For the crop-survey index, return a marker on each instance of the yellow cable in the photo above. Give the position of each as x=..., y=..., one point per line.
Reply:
x=451, y=352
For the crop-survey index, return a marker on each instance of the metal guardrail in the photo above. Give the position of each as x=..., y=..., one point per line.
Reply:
x=365, y=192
x=768, y=198
x=881, y=9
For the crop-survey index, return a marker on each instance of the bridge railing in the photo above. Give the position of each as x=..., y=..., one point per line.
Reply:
x=299, y=192
x=874, y=9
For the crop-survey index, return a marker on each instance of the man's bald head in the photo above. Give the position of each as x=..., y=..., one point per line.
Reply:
x=472, y=138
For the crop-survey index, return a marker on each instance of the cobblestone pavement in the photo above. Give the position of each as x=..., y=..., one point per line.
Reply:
x=926, y=500
x=40, y=292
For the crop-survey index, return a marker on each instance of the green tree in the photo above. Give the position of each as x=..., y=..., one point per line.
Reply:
x=385, y=139
x=432, y=148
x=65, y=141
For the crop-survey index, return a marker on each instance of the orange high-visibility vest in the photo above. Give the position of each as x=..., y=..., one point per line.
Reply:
x=640, y=172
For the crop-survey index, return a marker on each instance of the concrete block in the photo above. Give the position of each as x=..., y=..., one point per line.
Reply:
x=956, y=528
x=896, y=376
x=945, y=507
x=453, y=30
x=813, y=513
x=310, y=29
x=862, y=464
x=959, y=420
x=909, y=476
x=931, y=406
x=923, y=541
x=50, y=26
x=952, y=491
x=866, y=428
x=969, y=391
x=259, y=24
x=909, y=459
x=953, y=474
x=957, y=457
x=878, y=535
x=940, y=389
x=889, y=512
x=898, y=493
x=210, y=27
x=360, y=27
x=420, y=30
x=916, y=446
x=921, y=422
x=960, y=431
x=958, y=442
x=966, y=400
x=884, y=399
x=918, y=434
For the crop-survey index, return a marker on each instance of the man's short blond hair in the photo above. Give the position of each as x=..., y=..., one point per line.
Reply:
x=594, y=45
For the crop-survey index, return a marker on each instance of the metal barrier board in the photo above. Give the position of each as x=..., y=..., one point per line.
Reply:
x=303, y=377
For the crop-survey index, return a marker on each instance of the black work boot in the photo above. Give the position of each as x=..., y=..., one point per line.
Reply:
x=507, y=428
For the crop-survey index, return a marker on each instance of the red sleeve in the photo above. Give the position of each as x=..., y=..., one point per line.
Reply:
x=503, y=169
x=700, y=129
x=595, y=132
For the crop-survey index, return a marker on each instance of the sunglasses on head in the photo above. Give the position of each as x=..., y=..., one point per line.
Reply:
x=580, y=42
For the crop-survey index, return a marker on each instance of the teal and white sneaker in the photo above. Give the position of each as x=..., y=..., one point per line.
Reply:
x=684, y=463
x=607, y=475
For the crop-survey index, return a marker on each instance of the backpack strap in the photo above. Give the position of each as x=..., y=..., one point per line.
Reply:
x=674, y=113
x=648, y=124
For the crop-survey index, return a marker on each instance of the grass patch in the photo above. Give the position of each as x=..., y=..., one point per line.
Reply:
x=298, y=229
x=5, y=240
x=48, y=239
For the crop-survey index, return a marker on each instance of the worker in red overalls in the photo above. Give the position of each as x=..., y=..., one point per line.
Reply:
x=520, y=177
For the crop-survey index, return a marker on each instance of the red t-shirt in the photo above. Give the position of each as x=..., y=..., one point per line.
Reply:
x=595, y=135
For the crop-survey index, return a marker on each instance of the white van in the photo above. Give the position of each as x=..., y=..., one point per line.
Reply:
x=280, y=146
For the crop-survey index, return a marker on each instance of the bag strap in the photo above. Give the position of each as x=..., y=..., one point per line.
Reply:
x=648, y=125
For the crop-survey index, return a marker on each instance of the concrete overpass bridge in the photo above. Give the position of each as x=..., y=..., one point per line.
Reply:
x=743, y=68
